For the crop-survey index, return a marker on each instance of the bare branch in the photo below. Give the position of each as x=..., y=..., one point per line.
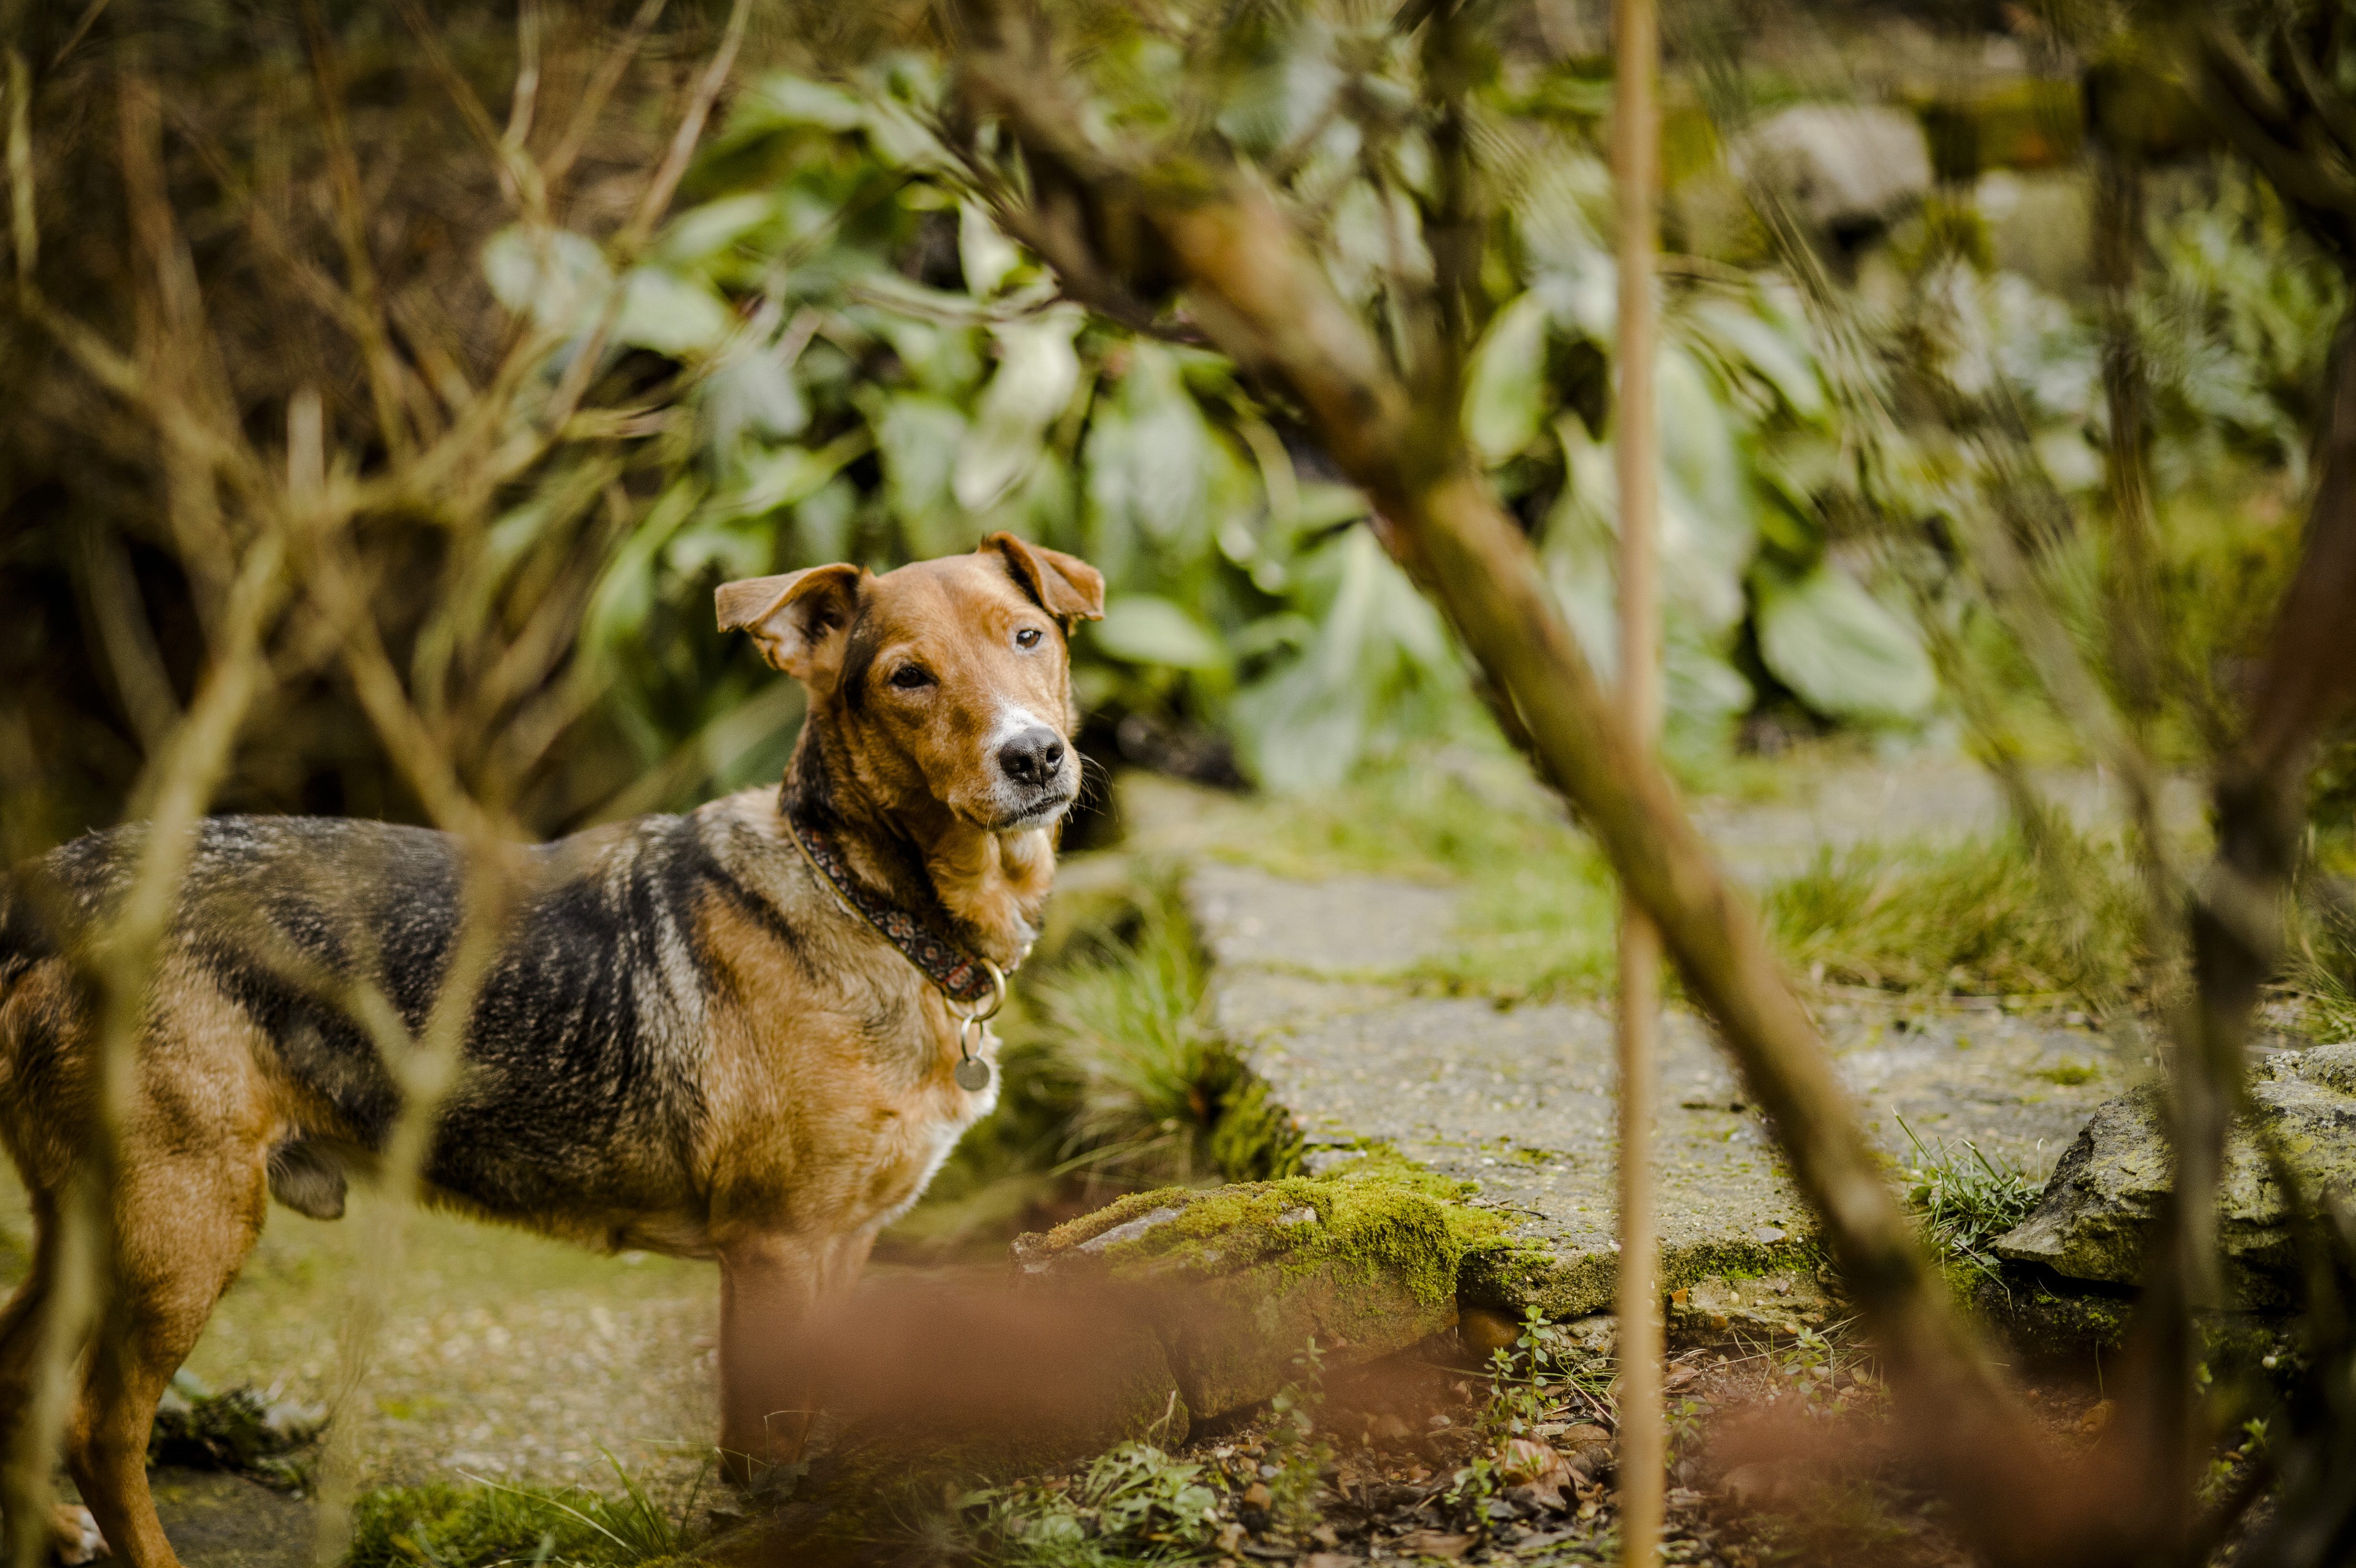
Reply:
x=601, y=88
x=652, y=203
x=351, y=226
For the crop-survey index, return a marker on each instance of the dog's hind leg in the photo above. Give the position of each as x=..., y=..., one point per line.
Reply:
x=185, y=1222
x=73, y=1534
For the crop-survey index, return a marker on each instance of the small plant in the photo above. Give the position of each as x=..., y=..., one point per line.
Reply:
x=1808, y=1368
x=1299, y=1450
x=239, y=1430
x=1134, y=1504
x=1967, y=1200
x=1522, y=1378
x=1125, y=1026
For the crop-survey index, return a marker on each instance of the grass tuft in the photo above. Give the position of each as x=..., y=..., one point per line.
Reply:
x=1966, y=1200
x=1124, y=1022
x=484, y=1525
x=1983, y=918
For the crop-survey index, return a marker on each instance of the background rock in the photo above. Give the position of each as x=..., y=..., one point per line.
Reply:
x=2098, y=1212
x=1842, y=167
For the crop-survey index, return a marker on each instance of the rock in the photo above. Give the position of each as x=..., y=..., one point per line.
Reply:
x=2099, y=1207
x=1236, y=1281
x=1483, y=1331
x=1767, y=1482
x=1772, y=1306
x=1843, y=168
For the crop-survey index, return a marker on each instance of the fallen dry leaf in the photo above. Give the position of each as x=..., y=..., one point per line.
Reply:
x=1432, y=1544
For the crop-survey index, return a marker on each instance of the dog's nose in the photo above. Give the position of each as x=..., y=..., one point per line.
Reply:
x=1032, y=757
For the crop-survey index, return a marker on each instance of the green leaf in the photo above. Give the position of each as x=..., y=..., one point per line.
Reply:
x=1149, y=456
x=1505, y=394
x=1140, y=628
x=668, y=314
x=1767, y=350
x=781, y=99
x=1707, y=521
x=984, y=254
x=552, y=275
x=753, y=393
x=918, y=438
x=1836, y=645
x=696, y=234
x=1037, y=373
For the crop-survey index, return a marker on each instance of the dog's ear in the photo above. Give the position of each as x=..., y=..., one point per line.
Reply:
x=795, y=617
x=1063, y=584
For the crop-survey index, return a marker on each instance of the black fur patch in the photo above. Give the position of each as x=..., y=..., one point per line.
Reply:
x=859, y=646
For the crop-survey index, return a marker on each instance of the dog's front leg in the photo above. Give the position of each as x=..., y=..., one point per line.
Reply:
x=770, y=1287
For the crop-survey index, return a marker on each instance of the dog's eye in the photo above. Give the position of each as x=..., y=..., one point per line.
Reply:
x=1028, y=637
x=909, y=677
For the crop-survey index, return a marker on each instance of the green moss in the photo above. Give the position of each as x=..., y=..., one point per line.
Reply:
x=2069, y=1074
x=1382, y=1215
x=1254, y=1138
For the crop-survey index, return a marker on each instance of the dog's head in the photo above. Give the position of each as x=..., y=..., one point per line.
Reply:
x=949, y=679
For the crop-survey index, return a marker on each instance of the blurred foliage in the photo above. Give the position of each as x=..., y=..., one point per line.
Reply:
x=829, y=352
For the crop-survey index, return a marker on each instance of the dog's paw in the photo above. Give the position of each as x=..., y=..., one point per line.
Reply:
x=74, y=1538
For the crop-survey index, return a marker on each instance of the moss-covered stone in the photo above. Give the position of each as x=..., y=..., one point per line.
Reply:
x=2096, y=1216
x=1240, y=1279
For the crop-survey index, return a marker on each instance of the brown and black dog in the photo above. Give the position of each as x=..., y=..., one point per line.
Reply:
x=706, y=1035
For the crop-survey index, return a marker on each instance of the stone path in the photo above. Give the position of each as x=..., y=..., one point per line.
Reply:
x=1522, y=1101
x=1311, y=982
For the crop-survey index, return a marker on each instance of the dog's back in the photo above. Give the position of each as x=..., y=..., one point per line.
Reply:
x=582, y=1046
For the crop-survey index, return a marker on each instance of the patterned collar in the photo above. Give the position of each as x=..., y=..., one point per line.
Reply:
x=962, y=977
